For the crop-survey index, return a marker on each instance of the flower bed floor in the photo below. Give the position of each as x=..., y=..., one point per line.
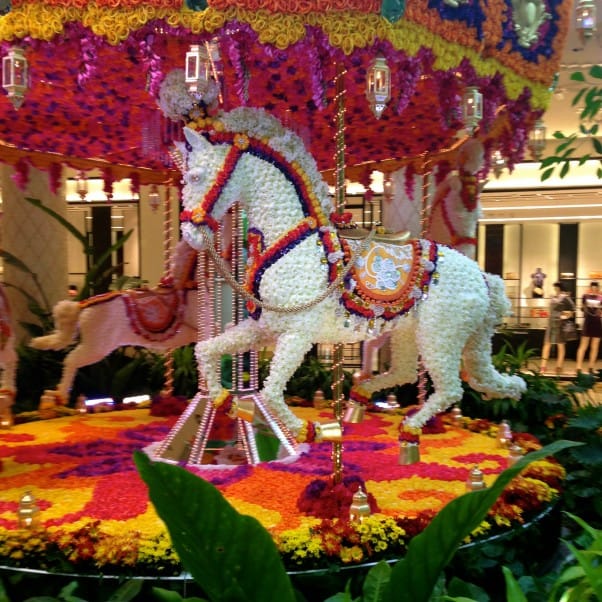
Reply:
x=81, y=472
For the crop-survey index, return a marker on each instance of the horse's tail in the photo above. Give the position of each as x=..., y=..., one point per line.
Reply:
x=65, y=315
x=499, y=304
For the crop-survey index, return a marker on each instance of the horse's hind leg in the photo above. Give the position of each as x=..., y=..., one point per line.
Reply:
x=403, y=367
x=82, y=355
x=482, y=376
x=441, y=358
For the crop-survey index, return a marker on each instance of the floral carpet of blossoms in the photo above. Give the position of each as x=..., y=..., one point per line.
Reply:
x=95, y=513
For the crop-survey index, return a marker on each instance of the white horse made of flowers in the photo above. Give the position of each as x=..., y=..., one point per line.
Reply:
x=306, y=284
x=161, y=319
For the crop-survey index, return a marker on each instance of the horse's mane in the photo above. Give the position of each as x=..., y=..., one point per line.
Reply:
x=257, y=123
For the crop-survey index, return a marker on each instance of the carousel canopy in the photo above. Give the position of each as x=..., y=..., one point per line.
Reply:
x=95, y=69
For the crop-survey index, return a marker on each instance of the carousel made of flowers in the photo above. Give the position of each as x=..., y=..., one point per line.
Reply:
x=427, y=97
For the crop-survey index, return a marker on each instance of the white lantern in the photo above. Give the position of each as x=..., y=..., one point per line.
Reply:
x=472, y=108
x=201, y=70
x=14, y=75
x=585, y=19
x=154, y=199
x=81, y=185
x=378, y=85
x=537, y=139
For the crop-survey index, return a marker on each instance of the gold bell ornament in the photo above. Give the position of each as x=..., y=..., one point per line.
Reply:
x=359, y=506
x=475, y=480
x=28, y=511
x=354, y=412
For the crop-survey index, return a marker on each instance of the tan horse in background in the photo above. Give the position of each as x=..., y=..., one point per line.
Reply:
x=160, y=319
x=8, y=354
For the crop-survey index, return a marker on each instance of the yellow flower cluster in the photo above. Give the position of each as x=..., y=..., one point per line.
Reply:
x=380, y=532
x=20, y=545
x=301, y=544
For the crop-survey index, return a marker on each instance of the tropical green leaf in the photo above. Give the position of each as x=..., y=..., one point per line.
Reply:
x=376, y=582
x=596, y=71
x=15, y=262
x=231, y=556
x=82, y=238
x=577, y=98
x=414, y=576
x=565, y=170
x=597, y=145
x=166, y=595
x=547, y=174
x=513, y=590
x=126, y=592
x=577, y=76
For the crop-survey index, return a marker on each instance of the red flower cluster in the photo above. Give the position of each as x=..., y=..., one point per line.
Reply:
x=341, y=219
x=324, y=499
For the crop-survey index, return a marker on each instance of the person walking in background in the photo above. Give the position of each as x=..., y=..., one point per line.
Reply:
x=592, y=327
x=562, y=309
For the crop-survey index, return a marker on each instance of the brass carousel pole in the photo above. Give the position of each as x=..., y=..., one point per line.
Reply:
x=337, y=365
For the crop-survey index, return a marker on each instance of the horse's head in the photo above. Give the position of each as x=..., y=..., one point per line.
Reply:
x=209, y=190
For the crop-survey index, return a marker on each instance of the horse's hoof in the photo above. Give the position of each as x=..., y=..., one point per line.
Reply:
x=409, y=453
x=354, y=413
x=315, y=432
x=329, y=431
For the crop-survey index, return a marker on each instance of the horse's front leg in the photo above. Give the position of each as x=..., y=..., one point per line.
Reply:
x=290, y=350
x=236, y=339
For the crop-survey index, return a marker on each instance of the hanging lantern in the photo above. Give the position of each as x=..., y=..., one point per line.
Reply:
x=585, y=19
x=537, y=140
x=472, y=108
x=388, y=188
x=81, y=185
x=28, y=511
x=378, y=85
x=154, y=199
x=360, y=507
x=498, y=163
x=14, y=75
x=197, y=67
x=201, y=72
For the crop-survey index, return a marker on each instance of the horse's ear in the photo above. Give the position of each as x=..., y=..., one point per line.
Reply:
x=195, y=140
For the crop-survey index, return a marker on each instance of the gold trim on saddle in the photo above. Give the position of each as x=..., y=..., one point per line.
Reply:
x=382, y=235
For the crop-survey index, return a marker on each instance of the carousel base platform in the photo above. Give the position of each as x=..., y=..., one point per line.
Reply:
x=94, y=524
